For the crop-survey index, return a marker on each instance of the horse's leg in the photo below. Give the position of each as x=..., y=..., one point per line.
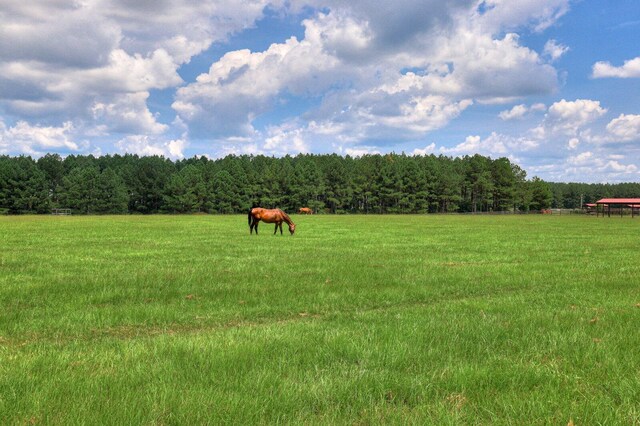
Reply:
x=280, y=228
x=275, y=230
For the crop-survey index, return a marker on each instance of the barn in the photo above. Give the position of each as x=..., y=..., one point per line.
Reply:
x=617, y=205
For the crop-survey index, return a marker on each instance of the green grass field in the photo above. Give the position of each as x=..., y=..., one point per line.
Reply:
x=355, y=319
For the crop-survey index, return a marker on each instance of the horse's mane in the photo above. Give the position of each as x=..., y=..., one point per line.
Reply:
x=286, y=217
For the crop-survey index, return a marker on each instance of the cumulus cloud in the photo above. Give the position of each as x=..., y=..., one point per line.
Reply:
x=98, y=60
x=606, y=166
x=473, y=64
x=567, y=117
x=516, y=112
x=371, y=73
x=625, y=128
x=591, y=165
x=495, y=145
x=146, y=145
x=361, y=151
x=60, y=34
x=554, y=50
x=36, y=140
x=127, y=113
x=376, y=115
x=567, y=127
x=429, y=149
x=243, y=84
x=362, y=51
x=568, y=144
x=520, y=111
x=394, y=27
x=340, y=36
x=573, y=143
x=284, y=139
x=630, y=69
x=532, y=13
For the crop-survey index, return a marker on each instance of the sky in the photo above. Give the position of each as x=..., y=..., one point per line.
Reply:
x=553, y=85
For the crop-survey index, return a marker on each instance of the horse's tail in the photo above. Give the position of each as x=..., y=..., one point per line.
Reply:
x=249, y=217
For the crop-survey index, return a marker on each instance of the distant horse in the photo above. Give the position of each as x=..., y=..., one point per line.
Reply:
x=276, y=216
x=305, y=210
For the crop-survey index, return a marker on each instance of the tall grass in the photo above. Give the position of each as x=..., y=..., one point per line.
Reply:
x=355, y=319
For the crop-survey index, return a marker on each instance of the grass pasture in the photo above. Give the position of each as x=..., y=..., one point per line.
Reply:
x=355, y=319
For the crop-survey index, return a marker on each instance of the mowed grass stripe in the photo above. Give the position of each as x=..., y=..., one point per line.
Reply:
x=371, y=319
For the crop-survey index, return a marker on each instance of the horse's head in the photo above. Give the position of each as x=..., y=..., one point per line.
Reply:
x=292, y=228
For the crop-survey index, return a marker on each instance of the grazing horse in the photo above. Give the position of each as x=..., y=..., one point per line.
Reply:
x=276, y=216
x=305, y=210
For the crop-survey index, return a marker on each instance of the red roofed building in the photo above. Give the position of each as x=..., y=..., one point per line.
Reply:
x=619, y=203
x=590, y=208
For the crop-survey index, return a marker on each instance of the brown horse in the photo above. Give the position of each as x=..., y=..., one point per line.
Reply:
x=276, y=216
x=305, y=210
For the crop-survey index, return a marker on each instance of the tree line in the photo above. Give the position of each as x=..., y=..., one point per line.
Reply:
x=391, y=183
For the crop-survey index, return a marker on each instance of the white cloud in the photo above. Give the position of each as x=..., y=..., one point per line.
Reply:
x=496, y=145
x=361, y=52
x=630, y=69
x=242, y=85
x=470, y=145
x=283, y=139
x=60, y=34
x=520, y=111
x=538, y=15
x=94, y=62
x=554, y=50
x=573, y=143
x=516, y=112
x=128, y=113
x=377, y=115
x=429, y=149
x=125, y=72
x=373, y=72
x=176, y=148
x=617, y=167
x=625, y=128
x=582, y=159
x=587, y=166
x=145, y=145
x=339, y=35
x=35, y=140
x=570, y=127
x=538, y=107
x=361, y=151
x=567, y=117
x=487, y=68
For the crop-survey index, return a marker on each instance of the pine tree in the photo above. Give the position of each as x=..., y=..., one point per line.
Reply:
x=112, y=195
x=53, y=168
x=541, y=195
x=224, y=193
x=80, y=190
x=23, y=186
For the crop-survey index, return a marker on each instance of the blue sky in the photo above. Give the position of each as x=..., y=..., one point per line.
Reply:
x=554, y=85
